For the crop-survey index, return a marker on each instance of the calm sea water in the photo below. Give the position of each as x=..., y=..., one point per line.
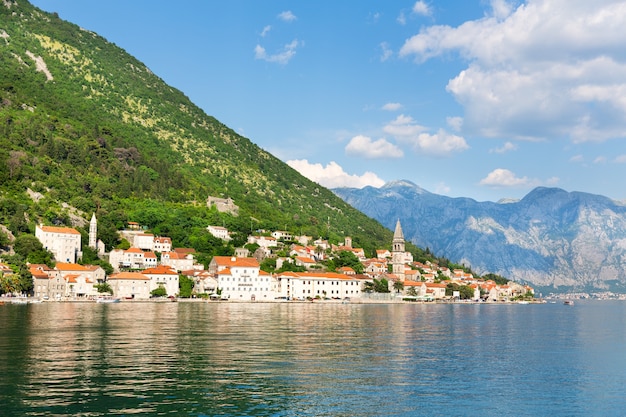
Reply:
x=307, y=359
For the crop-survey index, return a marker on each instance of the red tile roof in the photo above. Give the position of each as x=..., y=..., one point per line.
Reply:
x=54, y=229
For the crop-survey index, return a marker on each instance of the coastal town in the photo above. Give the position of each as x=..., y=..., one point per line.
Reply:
x=151, y=266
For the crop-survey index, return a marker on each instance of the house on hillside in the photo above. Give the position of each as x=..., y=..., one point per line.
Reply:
x=144, y=241
x=63, y=242
x=161, y=244
x=177, y=261
x=305, y=262
x=219, y=232
x=132, y=258
x=281, y=234
x=265, y=242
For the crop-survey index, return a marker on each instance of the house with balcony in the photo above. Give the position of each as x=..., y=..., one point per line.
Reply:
x=163, y=276
x=242, y=279
x=80, y=279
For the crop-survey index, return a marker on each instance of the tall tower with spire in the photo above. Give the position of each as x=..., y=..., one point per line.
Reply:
x=397, y=252
x=93, y=232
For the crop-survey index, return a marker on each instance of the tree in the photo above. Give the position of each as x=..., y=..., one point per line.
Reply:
x=185, y=285
x=4, y=240
x=398, y=286
x=465, y=291
x=159, y=292
x=20, y=281
x=104, y=287
x=31, y=249
x=347, y=258
x=411, y=291
x=380, y=286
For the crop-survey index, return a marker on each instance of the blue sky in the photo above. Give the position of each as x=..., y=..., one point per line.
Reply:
x=474, y=98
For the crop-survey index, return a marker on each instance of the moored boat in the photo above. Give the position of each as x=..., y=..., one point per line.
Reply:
x=568, y=302
x=107, y=300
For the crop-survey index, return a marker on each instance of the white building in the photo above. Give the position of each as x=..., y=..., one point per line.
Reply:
x=80, y=279
x=281, y=234
x=63, y=242
x=161, y=244
x=301, y=285
x=219, y=232
x=143, y=241
x=130, y=285
x=163, y=276
x=242, y=279
x=265, y=242
x=47, y=282
x=177, y=261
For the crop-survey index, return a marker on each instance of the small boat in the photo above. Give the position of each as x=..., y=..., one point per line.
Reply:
x=523, y=302
x=107, y=300
x=568, y=302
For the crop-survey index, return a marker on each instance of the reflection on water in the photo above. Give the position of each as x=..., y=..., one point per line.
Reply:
x=306, y=359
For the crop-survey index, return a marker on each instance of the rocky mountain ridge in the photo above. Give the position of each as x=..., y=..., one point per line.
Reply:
x=552, y=239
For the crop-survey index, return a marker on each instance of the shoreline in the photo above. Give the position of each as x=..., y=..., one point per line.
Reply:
x=31, y=300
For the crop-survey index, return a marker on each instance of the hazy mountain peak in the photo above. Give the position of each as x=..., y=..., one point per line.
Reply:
x=550, y=238
x=404, y=184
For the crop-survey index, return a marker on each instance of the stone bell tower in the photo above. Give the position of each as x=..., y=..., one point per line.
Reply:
x=93, y=232
x=397, y=252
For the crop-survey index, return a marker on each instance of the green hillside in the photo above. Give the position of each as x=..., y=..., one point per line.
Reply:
x=88, y=126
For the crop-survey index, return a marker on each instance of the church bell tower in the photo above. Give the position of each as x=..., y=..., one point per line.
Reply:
x=93, y=232
x=397, y=252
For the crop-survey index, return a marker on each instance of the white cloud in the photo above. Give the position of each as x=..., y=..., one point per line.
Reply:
x=501, y=177
x=620, y=159
x=507, y=147
x=333, y=175
x=455, y=123
x=364, y=146
x=282, y=57
x=406, y=130
x=546, y=69
x=577, y=158
x=392, y=106
x=287, y=16
x=401, y=19
x=403, y=127
x=421, y=8
x=387, y=52
x=599, y=160
x=441, y=143
x=504, y=178
x=501, y=9
x=442, y=188
x=266, y=30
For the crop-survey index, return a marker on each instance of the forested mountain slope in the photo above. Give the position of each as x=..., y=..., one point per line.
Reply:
x=84, y=123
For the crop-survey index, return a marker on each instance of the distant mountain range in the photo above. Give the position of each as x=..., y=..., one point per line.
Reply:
x=552, y=239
